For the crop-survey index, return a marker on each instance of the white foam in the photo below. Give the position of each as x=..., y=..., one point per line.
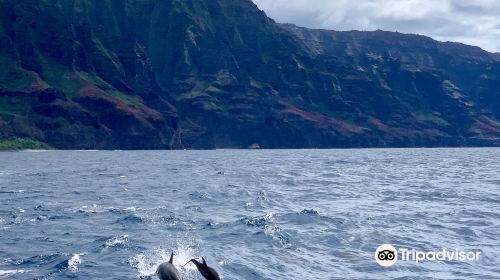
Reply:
x=117, y=240
x=147, y=263
x=91, y=209
x=74, y=262
x=269, y=216
x=5, y=273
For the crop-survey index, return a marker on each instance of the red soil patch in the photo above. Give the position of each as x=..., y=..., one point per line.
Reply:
x=486, y=125
x=388, y=129
x=321, y=120
x=139, y=111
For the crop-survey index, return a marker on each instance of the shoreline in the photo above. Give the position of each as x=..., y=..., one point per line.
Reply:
x=245, y=149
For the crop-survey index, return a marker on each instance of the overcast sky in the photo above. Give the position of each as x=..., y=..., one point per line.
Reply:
x=473, y=22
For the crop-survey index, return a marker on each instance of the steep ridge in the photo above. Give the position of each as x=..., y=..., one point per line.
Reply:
x=151, y=74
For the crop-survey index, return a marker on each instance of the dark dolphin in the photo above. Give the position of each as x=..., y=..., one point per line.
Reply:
x=167, y=271
x=207, y=272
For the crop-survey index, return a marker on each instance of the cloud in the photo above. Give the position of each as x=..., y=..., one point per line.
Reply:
x=473, y=22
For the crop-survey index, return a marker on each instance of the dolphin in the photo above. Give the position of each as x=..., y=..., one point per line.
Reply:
x=167, y=271
x=207, y=272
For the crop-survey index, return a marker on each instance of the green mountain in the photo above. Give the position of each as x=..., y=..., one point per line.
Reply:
x=172, y=74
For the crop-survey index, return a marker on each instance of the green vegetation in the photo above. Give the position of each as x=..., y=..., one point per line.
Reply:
x=13, y=77
x=93, y=79
x=127, y=99
x=495, y=122
x=61, y=77
x=17, y=144
x=97, y=81
x=7, y=108
x=429, y=117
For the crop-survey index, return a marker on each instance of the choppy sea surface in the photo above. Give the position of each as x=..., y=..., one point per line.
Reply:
x=265, y=214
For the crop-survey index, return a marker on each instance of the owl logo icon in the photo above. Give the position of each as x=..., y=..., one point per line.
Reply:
x=386, y=255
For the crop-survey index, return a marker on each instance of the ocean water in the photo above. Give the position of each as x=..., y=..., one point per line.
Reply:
x=283, y=214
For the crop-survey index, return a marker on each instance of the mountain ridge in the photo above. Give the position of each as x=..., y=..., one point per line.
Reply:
x=216, y=74
x=456, y=44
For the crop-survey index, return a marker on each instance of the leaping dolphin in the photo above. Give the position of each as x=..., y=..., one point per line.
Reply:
x=207, y=272
x=167, y=271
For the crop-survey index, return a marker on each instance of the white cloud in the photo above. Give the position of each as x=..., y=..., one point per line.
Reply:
x=473, y=22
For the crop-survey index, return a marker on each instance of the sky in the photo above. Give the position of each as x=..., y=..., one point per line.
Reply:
x=472, y=22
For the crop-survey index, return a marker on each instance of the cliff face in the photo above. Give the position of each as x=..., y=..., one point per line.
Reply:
x=75, y=74
x=219, y=73
x=411, y=87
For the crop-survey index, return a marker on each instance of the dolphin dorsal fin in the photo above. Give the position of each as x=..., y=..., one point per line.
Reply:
x=171, y=258
x=204, y=261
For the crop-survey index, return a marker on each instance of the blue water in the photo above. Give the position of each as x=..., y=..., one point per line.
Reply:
x=285, y=214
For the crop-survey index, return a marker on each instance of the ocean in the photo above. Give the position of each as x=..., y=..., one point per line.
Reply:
x=253, y=214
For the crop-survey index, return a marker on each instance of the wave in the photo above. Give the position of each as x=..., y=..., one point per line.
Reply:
x=259, y=221
x=8, y=273
x=97, y=209
x=74, y=262
x=71, y=263
x=147, y=262
x=117, y=241
x=269, y=228
x=35, y=151
x=130, y=219
x=310, y=212
x=91, y=209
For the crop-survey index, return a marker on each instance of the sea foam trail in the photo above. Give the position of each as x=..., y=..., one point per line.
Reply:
x=146, y=263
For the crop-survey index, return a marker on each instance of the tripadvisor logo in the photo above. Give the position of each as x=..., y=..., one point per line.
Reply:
x=387, y=255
